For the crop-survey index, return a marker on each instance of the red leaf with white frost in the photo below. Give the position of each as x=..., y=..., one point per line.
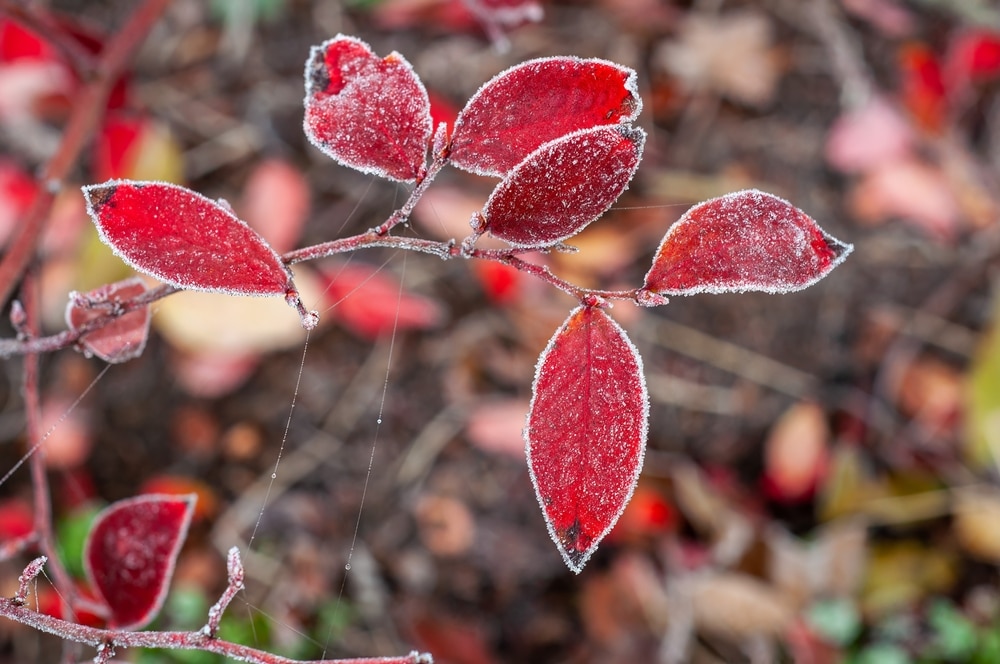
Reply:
x=535, y=102
x=366, y=112
x=586, y=431
x=130, y=554
x=748, y=240
x=564, y=185
x=184, y=239
x=122, y=339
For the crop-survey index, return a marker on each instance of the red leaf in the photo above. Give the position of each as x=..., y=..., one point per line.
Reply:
x=586, y=431
x=367, y=113
x=564, y=185
x=748, y=240
x=184, y=239
x=130, y=554
x=538, y=101
x=124, y=338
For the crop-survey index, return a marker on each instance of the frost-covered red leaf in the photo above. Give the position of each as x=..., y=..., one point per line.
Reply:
x=564, y=185
x=586, y=431
x=745, y=241
x=120, y=340
x=130, y=554
x=536, y=102
x=366, y=112
x=184, y=239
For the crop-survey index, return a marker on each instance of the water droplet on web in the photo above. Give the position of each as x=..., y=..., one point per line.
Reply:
x=274, y=476
x=378, y=421
x=347, y=567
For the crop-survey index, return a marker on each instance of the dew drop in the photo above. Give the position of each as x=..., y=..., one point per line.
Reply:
x=378, y=421
x=347, y=567
x=274, y=476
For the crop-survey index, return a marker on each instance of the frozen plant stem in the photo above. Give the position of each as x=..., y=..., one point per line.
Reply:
x=234, y=567
x=120, y=639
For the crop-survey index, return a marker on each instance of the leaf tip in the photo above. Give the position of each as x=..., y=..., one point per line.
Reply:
x=98, y=195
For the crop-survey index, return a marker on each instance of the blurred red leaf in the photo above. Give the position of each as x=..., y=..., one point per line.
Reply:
x=206, y=501
x=184, y=239
x=922, y=85
x=367, y=113
x=586, y=431
x=130, y=555
x=501, y=282
x=973, y=56
x=17, y=519
x=564, y=185
x=748, y=240
x=370, y=303
x=124, y=338
x=136, y=147
x=535, y=102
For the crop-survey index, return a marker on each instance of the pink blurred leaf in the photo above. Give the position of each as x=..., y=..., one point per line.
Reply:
x=496, y=15
x=910, y=189
x=275, y=203
x=125, y=337
x=184, y=239
x=367, y=113
x=586, y=431
x=131, y=551
x=538, y=101
x=866, y=137
x=564, y=185
x=748, y=240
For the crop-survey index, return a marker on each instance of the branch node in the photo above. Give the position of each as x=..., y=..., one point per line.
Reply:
x=237, y=576
x=30, y=573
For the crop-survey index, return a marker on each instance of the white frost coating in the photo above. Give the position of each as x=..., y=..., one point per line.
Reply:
x=483, y=167
x=165, y=278
x=359, y=136
x=572, y=199
x=753, y=245
x=577, y=566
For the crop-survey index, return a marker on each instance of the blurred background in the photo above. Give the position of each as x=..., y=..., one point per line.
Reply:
x=821, y=481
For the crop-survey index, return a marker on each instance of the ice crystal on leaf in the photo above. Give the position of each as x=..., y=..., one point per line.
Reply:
x=130, y=554
x=366, y=112
x=744, y=241
x=185, y=239
x=586, y=431
x=564, y=185
x=536, y=102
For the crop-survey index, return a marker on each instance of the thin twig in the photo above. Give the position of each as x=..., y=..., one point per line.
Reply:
x=120, y=639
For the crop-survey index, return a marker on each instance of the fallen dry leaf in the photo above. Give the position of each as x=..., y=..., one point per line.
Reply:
x=735, y=606
x=977, y=515
x=796, y=455
x=732, y=55
x=446, y=526
x=910, y=189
